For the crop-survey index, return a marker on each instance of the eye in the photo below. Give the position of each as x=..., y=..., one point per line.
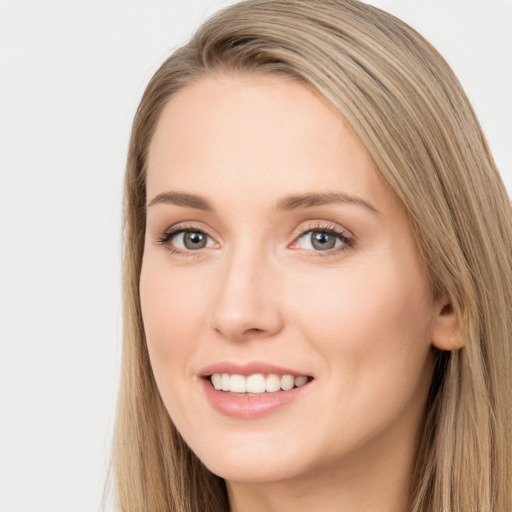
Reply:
x=320, y=240
x=186, y=239
x=327, y=239
x=191, y=240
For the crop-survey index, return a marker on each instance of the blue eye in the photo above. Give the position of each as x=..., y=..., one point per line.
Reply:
x=318, y=240
x=323, y=240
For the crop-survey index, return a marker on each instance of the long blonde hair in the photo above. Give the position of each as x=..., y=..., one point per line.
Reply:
x=410, y=111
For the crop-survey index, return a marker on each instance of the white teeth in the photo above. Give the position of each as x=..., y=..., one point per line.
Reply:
x=237, y=384
x=273, y=383
x=300, y=381
x=256, y=383
x=217, y=380
x=287, y=382
x=225, y=382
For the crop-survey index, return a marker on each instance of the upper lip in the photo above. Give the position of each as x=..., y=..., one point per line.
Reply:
x=248, y=368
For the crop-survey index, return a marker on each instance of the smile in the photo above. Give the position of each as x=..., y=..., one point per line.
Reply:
x=257, y=383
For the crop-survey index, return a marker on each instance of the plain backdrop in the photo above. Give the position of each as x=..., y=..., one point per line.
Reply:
x=71, y=75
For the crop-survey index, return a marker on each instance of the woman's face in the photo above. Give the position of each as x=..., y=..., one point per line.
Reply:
x=275, y=254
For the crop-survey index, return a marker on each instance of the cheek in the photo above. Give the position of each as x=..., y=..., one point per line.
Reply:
x=171, y=305
x=373, y=332
x=370, y=319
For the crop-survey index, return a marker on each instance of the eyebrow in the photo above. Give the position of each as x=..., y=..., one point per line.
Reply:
x=288, y=203
x=182, y=199
x=299, y=202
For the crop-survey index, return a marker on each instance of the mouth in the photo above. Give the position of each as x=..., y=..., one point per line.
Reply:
x=253, y=389
x=257, y=383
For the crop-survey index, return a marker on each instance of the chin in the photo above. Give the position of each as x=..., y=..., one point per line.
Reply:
x=253, y=466
x=251, y=473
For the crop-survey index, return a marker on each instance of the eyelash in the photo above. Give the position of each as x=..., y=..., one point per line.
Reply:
x=347, y=240
x=176, y=230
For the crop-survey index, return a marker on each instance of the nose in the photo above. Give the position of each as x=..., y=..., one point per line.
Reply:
x=246, y=302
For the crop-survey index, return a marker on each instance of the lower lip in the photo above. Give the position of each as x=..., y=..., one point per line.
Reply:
x=250, y=407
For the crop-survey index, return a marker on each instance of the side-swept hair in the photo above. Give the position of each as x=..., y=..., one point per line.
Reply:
x=410, y=111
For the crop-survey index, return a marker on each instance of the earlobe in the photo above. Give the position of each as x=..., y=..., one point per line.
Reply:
x=446, y=333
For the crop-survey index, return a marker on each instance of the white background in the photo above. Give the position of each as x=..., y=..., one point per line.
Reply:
x=71, y=74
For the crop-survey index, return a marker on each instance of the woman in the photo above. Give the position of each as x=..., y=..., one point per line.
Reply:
x=317, y=273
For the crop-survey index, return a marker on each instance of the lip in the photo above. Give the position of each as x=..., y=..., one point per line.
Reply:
x=244, y=406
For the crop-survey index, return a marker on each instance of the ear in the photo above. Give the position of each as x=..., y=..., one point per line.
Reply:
x=446, y=332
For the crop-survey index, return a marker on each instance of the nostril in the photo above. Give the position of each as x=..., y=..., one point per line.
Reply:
x=254, y=331
x=447, y=309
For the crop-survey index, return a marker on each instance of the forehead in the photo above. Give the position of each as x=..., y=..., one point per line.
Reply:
x=261, y=134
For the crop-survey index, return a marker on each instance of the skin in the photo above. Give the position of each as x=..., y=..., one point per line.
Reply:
x=361, y=320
